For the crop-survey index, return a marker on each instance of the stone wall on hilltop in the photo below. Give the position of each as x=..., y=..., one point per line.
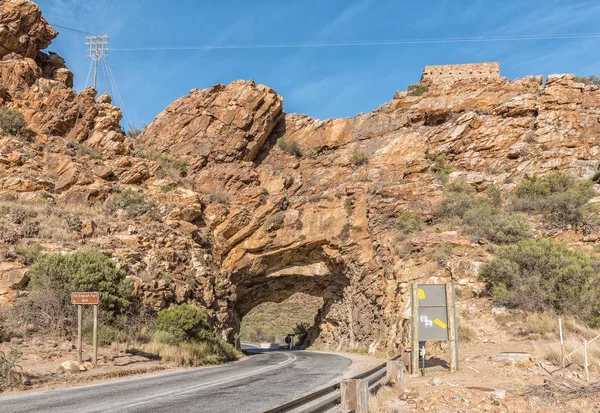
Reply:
x=445, y=75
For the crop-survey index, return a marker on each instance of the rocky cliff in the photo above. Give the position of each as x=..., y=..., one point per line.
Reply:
x=250, y=204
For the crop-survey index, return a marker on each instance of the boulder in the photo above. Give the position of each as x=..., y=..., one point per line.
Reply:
x=13, y=275
x=72, y=366
x=221, y=124
x=23, y=30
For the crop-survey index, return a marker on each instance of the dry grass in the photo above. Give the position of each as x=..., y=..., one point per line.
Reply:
x=377, y=401
x=193, y=353
x=52, y=217
x=466, y=333
x=575, y=334
x=540, y=324
x=552, y=352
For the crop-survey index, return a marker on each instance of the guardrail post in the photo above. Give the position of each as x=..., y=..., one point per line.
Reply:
x=355, y=395
x=395, y=371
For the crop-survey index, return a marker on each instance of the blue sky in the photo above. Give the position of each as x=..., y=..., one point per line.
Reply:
x=321, y=82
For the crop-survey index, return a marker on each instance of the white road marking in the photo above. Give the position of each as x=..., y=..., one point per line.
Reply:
x=290, y=359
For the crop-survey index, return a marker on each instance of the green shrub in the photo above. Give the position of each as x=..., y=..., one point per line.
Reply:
x=168, y=187
x=483, y=215
x=83, y=150
x=458, y=199
x=59, y=275
x=180, y=324
x=543, y=275
x=561, y=197
x=11, y=120
x=167, y=163
x=29, y=254
x=109, y=334
x=596, y=176
x=490, y=222
x=441, y=167
x=588, y=80
x=410, y=221
x=133, y=203
x=359, y=157
x=441, y=254
x=290, y=147
x=417, y=89
x=184, y=336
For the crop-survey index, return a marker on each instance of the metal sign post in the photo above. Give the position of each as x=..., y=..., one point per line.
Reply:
x=433, y=319
x=81, y=299
x=79, y=333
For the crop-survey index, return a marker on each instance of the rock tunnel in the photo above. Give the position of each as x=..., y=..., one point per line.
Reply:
x=276, y=276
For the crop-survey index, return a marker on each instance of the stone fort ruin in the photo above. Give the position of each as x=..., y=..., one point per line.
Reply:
x=448, y=74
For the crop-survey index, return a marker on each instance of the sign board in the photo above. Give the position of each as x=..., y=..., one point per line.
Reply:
x=85, y=298
x=433, y=314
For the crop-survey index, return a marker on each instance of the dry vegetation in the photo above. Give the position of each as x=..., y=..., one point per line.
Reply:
x=47, y=220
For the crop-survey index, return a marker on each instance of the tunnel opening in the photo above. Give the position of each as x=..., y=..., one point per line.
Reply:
x=271, y=322
x=310, y=279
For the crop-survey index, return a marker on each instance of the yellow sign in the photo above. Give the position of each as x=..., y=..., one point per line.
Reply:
x=439, y=323
x=421, y=294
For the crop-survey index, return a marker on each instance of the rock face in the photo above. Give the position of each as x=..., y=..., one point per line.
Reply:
x=23, y=30
x=253, y=205
x=220, y=124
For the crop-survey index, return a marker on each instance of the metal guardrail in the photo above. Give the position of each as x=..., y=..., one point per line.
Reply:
x=328, y=397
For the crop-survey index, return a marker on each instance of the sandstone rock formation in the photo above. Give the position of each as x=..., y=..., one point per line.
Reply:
x=240, y=219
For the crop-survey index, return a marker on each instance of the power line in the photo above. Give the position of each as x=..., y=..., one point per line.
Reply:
x=116, y=93
x=87, y=79
x=70, y=29
x=371, y=43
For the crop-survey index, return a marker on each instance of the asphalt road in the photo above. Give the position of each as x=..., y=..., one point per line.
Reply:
x=253, y=385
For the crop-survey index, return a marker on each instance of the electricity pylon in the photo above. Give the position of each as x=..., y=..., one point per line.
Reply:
x=97, y=49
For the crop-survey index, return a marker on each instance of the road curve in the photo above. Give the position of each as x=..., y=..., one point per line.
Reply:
x=253, y=385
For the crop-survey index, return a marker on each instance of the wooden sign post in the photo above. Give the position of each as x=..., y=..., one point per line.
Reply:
x=433, y=319
x=81, y=299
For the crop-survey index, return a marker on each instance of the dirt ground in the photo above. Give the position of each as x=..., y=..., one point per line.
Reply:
x=486, y=384
x=41, y=363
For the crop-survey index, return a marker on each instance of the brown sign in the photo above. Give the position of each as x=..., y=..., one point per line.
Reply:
x=85, y=298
